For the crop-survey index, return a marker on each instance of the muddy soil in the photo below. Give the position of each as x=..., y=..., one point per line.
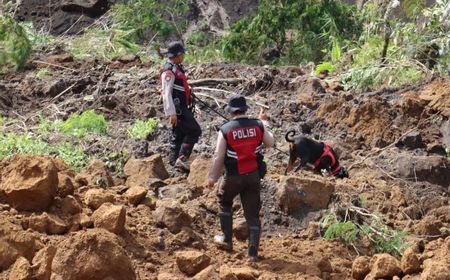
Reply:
x=392, y=140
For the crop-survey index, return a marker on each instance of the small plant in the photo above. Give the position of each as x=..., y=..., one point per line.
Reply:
x=87, y=122
x=115, y=161
x=11, y=144
x=46, y=126
x=324, y=66
x=15, y=47
x=2, y=120
x=43, y=72
x=344, y=231
x=142, y=129
x=383, y=238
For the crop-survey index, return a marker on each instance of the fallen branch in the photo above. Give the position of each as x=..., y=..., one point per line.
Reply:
x=230, y=81
x=62, y=92
x=54, y=65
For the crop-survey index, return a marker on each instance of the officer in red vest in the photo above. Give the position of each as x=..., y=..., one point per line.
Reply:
x=176, y=95
x=239, y=148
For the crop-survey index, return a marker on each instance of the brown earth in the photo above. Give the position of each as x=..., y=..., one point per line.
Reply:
x=144, y=235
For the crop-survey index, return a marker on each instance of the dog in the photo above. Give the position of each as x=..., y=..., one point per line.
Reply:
x=318, y=154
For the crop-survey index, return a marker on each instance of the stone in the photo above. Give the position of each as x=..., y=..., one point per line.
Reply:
x=56, y=225
x=29, y=182
x=293, y=193
x=83, y=220
x=94, y=198
x=15, y=242
x=384, y=266
x=179, y=192
x=413, y=140
x=140, y=172
x=65, y=185
x=246, y=273
x=110, y=217
x=47, y=223
x=360, y=267
x=167, y=276
x=97, y=174
x=428, y=225
x=93, y=8
x=226, y=273
x=435, y=270
x=192, y=262
x=54, y=87
x=186, y=238
x=21, y=270
x=136, y=194
x=208, y=273
x=410, y=263
x=198, y=175
x=42, y=263
x=434, y=169
x=240, y=229
x=91, y=254
x=70, y=205
x=173, y=218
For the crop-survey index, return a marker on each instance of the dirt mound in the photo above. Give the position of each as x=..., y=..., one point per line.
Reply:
x=29, y=182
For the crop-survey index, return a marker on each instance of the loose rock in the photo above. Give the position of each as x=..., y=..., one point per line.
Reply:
x=192, y=262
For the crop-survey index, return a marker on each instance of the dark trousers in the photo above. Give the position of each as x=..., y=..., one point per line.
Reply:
x=248, y=187
x=185, y=134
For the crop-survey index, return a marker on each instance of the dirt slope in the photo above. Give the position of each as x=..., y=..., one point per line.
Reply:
x=147, y=220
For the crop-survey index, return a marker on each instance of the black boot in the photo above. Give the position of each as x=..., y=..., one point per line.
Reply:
x=225, y=241
x=174, y=153
x=253, y=242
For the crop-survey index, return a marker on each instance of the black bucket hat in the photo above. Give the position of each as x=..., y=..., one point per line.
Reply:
x=236, y=103
x=175, y=49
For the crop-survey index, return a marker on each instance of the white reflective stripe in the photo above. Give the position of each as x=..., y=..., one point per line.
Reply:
x=177, y=87
x=231, y=152
x=232, y=156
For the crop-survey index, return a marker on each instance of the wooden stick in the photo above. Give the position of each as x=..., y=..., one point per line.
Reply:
x=62, y=92
x=54, y=65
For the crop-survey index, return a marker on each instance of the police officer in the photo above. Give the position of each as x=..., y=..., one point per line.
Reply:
x=239, y=145
x=176, y=95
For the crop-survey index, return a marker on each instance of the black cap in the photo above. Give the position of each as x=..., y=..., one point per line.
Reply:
x=175, y=49
x=236, y=103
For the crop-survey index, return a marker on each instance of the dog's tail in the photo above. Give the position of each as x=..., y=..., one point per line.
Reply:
x=290, y=136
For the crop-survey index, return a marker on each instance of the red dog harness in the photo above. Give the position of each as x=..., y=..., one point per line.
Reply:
x=328, y=152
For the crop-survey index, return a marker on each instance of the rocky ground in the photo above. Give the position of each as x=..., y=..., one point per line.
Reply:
x=149, y=221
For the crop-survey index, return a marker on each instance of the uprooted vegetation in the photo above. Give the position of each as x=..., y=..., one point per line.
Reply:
x=116, y=203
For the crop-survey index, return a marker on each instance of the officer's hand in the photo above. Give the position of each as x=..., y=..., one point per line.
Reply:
x=262, y=115
x=211, y=183
x=173, y=120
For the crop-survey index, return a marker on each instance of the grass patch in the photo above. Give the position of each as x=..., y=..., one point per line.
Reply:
x=12, y=144
x=43, y=72
x=142, y=129
x=88, y=122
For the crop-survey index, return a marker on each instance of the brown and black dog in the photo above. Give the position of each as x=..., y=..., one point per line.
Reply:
x=319, y=154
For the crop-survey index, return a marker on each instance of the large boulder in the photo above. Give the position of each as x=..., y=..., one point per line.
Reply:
x=433, y=169
x=173, y=218
x=435, y=270
x=198, y=175
x=110, y=217
x=94, y=198
x=208, y=273
x=97, y=174
x=410, y=262
x=192, y=262
x=140, y=172
x=29, y=182
x=91, y=255
x=294, y=193
x=92, y=8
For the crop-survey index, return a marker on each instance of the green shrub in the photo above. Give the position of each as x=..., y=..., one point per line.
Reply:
x=15, y=48
x=142, y=129
x=139, y=16
x=87, y=122
x=298, y=30
x=11, y=144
